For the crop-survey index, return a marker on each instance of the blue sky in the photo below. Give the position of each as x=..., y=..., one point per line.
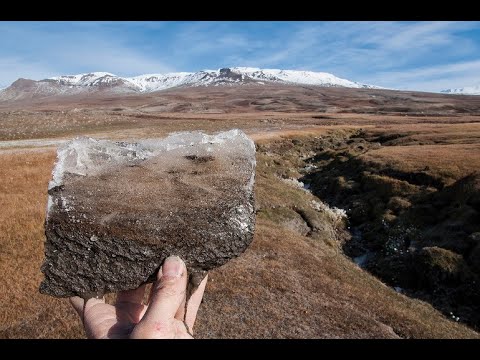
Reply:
x=428, y=56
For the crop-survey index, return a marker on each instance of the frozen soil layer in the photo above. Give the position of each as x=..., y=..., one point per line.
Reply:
x=116, y=210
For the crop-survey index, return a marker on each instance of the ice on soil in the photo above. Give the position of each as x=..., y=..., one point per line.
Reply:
x=86, y=156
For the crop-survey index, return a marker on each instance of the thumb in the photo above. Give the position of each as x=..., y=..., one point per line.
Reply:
x=168, y=293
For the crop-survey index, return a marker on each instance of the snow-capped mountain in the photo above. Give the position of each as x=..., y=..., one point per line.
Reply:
x=83, y=79
x=469, y=90
x=297, y=77
x=85, y=83
x=154, y=82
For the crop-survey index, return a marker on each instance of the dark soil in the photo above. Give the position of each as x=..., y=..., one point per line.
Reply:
x=112, y=231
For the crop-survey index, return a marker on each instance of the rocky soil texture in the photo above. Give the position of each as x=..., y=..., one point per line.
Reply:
x=116, y=210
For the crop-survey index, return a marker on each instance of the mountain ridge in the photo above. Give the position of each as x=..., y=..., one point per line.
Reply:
x=89, y=82
x=154, y=82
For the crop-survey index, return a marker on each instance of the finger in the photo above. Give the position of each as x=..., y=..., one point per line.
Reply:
x=150, y=294
x=152, y=288
x=180, y=314
x=82, y=306
x=90, y=303
x=130, y=304
x=194, y=303
x=134, y=296
x=168, y=291
x=77, y=303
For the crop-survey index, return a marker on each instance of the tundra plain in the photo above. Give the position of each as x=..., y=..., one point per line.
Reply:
x=402, y=165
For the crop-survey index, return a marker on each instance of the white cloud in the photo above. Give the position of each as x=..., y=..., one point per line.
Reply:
x=433, y=78
x=38, y=52
x=13, y=68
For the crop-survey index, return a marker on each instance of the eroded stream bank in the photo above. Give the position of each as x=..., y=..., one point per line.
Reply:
x=414, y=224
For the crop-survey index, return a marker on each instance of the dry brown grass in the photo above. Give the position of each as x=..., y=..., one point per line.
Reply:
x=430, y=133
x=290, y=286
x=24, y=312
x=447, y=163
x=445, y=152
x=285, y=285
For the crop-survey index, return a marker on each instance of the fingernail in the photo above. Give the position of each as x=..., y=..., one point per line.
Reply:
x=173, y=266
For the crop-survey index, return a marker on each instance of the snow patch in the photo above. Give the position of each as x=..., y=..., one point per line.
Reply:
x=336, y=213
x=469, y=90
x=294, y=183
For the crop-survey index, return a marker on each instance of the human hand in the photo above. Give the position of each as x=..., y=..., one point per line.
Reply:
x=162, y=318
